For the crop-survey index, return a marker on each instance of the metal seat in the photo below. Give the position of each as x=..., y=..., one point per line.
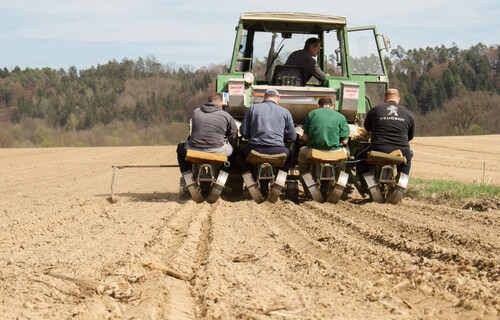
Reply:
x=288, y=76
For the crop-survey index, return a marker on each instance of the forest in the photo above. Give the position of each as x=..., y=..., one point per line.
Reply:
x=450, y=91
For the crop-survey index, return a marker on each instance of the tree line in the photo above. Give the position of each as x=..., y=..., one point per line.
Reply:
x=142, y=91
x=450, y=90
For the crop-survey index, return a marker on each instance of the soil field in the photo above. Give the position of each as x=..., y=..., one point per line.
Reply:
x=67, y=252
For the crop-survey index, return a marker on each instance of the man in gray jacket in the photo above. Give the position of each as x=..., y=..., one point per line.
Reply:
x=268, y=126
x=212, y=130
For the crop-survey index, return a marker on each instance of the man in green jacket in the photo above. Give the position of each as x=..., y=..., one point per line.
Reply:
x=325, y=129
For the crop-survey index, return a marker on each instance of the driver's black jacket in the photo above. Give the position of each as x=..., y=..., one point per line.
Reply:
x=309, y=65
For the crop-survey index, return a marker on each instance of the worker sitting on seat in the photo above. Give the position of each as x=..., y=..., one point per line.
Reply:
x=268, y=126
x=212, y=130
x=324, y=129
x=392, y=127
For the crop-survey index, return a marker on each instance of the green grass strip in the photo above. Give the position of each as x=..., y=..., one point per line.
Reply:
x=453, y=189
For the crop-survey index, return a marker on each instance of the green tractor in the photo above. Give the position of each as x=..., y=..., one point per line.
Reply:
x=356, y=76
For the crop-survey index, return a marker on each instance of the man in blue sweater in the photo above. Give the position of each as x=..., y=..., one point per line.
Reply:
x=268, y=126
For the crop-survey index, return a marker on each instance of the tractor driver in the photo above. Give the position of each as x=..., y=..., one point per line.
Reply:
x=392, y=127
x=213, y=130
x=304, y=58
x=268, y=126
x=324, y=129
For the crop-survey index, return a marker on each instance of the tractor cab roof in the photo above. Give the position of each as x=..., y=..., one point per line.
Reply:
x=290, y=22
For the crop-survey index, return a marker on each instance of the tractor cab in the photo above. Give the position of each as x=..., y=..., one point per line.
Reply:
x=356, y=77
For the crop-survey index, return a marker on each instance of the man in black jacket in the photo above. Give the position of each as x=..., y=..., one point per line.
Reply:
x=304, y=58
x=392, y=127
x=212, y=130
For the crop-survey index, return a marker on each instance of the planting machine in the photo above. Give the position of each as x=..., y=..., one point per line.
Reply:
x=356, y=80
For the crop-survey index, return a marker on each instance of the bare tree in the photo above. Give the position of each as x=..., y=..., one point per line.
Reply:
x=463, y=110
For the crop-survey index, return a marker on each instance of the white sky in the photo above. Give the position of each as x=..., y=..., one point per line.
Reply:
x=62, y=33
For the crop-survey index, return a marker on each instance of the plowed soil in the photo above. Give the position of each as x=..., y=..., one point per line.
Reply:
x=66, y=251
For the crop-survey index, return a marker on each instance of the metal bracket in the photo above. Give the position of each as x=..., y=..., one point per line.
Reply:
x=217, y=187
x=373, y=187
x=396, y=194
x=312, y=186
x=192, y=186
x=278, y=186
x=336, y=192
x=112, y=183
x=252, y=187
